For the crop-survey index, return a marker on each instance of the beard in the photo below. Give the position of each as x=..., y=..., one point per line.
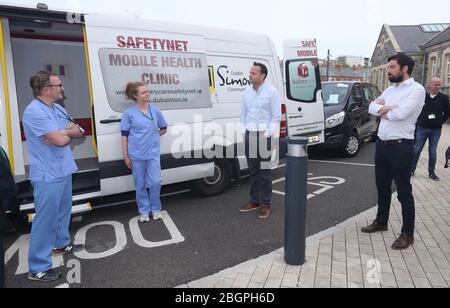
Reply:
x=61, y=101
x=396, y=79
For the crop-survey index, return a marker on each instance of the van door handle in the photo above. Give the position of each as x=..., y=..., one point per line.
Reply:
x=109, y=121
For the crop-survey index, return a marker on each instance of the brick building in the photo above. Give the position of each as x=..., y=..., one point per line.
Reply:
x=426, y=44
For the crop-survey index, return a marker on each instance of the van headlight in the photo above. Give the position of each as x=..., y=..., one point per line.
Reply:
x=335, y=120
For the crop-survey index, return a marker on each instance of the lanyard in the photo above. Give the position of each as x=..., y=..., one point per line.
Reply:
x=148, y=117
x=64, y=115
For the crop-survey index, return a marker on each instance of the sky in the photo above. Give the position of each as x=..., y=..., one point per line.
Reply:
x=345, y=27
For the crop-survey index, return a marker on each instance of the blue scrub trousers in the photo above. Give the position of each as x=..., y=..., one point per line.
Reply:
x=53, y=203
x=147, y=179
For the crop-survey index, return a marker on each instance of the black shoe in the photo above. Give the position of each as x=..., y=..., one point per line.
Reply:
x=403, y=242
x=375, y=227
x=68, y=249
x=47, y=276
x=434, y=177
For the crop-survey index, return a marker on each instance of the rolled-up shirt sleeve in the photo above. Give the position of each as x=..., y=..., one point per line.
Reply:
x=276, y=114
x=374, y=107
x=413, y=102
x=244, y=115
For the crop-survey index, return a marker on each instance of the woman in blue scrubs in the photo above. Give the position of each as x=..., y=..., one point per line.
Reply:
x=142, y=126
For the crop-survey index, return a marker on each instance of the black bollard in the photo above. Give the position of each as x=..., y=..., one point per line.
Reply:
x=296, y=196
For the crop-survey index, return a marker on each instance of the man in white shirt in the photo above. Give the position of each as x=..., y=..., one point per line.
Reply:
x=399, y=107
x=261, y=117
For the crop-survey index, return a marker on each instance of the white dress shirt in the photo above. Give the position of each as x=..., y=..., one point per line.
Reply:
x=261, y=110
x=409, y=97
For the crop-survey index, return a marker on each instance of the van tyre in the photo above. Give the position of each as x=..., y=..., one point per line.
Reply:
x=351, y=146
x=217, y=184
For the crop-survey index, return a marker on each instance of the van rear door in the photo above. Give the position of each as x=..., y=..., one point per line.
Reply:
x=303, y=93
x=174, y=66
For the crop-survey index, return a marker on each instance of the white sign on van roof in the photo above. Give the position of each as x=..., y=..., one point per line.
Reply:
x=301, y=49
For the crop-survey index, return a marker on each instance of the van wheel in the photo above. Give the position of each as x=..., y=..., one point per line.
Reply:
x=216, y=184
x=352, y=146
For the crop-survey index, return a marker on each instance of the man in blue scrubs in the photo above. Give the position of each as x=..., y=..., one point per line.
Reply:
x=49, y=134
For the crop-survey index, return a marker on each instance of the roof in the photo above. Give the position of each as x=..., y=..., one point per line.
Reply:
x=410, y=38
x=442, y=37
x=33, y=13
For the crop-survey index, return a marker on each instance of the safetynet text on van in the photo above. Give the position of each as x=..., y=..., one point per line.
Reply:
x=152, y=43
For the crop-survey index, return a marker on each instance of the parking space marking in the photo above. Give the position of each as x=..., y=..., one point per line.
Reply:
x=279, y=181
x=325, y=183
x=341, y=163
x=278, y=192
x=279, y=167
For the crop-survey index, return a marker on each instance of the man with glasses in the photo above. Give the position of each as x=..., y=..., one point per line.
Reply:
x=429, y=126
x=49, y=132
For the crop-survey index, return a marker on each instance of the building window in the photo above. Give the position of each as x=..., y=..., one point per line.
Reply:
x=447, y=71
x=383, y=83
x=433, y=67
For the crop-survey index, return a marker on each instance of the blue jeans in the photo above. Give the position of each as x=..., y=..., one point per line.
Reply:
x=433, y=136
x=50, y=229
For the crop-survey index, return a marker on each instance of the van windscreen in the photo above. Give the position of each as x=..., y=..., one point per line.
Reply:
x=334, y=93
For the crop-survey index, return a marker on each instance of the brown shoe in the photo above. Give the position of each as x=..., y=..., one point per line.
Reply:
x=403, y=242
x=264, y=212
x=375, y=227
x=249, y=207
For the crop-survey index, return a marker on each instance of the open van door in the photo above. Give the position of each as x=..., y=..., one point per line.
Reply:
x=303, y=94
x=174, y=66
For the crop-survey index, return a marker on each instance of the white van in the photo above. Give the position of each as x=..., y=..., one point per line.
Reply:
x=197, y=76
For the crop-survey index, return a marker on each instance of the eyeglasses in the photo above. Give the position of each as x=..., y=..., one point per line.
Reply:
x=144, y=92
x=55, y=85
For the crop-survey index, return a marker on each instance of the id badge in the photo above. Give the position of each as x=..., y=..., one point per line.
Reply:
x=432, y=117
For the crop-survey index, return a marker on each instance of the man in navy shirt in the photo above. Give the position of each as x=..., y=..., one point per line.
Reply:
x=429, y=126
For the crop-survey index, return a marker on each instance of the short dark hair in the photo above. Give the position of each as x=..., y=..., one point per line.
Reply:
x=404, y=60
x=39, y=81
x=263, y=68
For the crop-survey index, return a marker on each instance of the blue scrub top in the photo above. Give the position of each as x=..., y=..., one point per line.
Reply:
x=142, y=131
x=48, y=163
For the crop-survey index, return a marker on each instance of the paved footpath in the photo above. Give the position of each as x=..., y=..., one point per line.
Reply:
x=343, y=257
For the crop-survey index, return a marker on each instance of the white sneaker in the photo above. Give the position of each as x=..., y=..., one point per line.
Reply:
x=157, y=216
x=144, y=218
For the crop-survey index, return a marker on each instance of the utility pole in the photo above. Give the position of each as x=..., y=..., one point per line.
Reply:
x=328, y=66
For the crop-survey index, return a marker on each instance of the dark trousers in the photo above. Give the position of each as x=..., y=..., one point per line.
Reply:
x=394, y=162
x=258, y=151
x=2, y=264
